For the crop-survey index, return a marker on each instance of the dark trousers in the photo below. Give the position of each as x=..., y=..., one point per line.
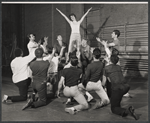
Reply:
x=116, y=97
x=23, y=91
x=85, y=63
x=108, y=86
x=41, y=89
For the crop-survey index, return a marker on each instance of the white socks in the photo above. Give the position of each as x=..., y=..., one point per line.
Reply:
x=90, y=97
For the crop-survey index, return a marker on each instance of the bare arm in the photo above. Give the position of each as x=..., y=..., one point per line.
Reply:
x=107, y=49
x=61, y=51
x=104, y=80
x=85, y=15
x=105, y=44
x=63, y=15
x=111, y=44
x=49, y=58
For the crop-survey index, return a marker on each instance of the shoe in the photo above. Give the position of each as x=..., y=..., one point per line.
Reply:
x=98, y=104
x=90, y=98
x=127, y=95
x=131, y=110
x=70, y=110
x=5, y=97
x=68, y=100
x=29, y=104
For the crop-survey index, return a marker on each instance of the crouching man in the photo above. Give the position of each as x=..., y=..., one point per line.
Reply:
x=39, y=69
x=70, y=78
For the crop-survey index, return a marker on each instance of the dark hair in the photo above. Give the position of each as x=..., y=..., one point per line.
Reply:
x=114, y=59
x=42, y=40
x=117, y=32
x=18, y=52
x=71, y=55
x=115, y=51
x=39, y=52
x=49, y=49
x=72, y=14
x=28, y=36
x=74, y=61
x=97, y=53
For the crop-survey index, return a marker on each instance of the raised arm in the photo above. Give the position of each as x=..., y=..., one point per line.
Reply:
x=85, y=15
x=105, y=44
x=63, y=15
x=49, y=58
x=111, y=44
x=107, y=49
x=61, y=51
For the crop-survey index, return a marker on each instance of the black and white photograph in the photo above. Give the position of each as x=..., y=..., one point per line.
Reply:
x=74, y=61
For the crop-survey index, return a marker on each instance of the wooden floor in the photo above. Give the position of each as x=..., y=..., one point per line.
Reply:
x=54, y=111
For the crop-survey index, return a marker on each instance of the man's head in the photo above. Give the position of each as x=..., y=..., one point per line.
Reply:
x=114, y=59
x=31, y=37
x=71, y=55
x=84, y=42
x=18, y=52
x=115, y=34
x=49, y=49
x=74, y=61
x=39, y=52
x=72, y=17
x=115, y=51
x=97, y=53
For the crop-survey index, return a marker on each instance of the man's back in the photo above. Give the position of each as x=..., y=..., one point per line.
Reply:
x=39, y=70
x=71, y=75
x=115, y=74
x=94, y=71
x=19, y=67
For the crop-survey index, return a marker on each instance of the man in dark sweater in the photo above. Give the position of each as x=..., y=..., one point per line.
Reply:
x=118, y=88
x=69, y=79
x=39, y=69
x=93, y=77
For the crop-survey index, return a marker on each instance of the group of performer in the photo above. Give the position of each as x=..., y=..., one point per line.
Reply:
x=75, y=70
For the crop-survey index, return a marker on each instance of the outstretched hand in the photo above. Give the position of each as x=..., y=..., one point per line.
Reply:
x=98, y=39
x=90, y=8
x=57, y=9
x=63, y=47
x=54, y=50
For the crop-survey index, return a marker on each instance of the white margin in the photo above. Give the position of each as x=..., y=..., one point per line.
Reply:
x=73, y=2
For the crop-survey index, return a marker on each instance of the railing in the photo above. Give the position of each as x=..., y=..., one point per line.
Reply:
x=133, y=46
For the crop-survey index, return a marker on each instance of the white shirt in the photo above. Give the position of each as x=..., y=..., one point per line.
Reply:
x=55, y=60
x=20, y=68
x=67, y=65
x=75, y=27
x=53, y=63
x=31, y=45
x=44, y=49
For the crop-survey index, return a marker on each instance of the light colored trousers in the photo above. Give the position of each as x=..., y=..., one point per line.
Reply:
x=97, y=87
x=78, y=96
x=74, y=37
